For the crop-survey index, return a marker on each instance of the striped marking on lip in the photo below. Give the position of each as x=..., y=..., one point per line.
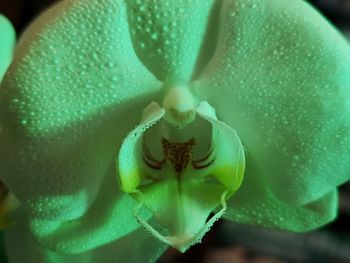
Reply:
x=179, y=155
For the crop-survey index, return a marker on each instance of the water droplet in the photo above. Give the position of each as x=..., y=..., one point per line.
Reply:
x=154, y=36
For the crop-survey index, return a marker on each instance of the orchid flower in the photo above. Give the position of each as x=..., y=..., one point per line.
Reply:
x=170, y=115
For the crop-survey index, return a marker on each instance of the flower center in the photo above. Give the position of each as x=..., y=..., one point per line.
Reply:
x=180, y=155
x=181, y=163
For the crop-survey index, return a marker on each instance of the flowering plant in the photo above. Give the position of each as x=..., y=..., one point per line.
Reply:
x=121, y=114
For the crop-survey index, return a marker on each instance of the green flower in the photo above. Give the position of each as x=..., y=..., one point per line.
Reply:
x=117, y=115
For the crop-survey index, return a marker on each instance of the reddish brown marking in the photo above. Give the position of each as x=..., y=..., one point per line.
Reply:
x=197, y=167
x=179, y=155
x=150, y=160
x=153, y=166
x=204, y=158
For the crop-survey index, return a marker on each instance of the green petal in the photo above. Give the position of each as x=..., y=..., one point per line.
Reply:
x=167, y=35
x=74, y=78
x=107, y=219
x=280, y=77
x=8, y=39
x=256, y=204
x=137, y=247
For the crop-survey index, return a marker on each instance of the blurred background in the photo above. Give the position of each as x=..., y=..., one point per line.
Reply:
x=228, y=242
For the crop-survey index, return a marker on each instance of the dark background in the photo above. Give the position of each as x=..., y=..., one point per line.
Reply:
x=228, y=242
